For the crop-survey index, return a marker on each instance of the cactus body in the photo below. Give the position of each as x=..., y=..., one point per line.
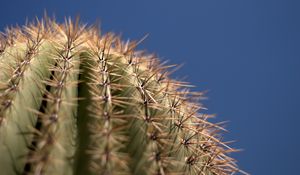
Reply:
x=73, y=101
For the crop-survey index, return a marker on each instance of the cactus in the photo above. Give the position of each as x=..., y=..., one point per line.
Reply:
x=74, y=101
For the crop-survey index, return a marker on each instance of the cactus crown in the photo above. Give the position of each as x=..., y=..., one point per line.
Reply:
x=74, y=101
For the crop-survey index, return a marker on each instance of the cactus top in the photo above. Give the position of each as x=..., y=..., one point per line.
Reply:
x=74, y=101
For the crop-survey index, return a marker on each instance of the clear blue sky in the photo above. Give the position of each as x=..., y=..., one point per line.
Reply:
x=245, y=52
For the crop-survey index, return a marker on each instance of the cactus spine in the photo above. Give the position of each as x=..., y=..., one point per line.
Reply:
x=73, y=101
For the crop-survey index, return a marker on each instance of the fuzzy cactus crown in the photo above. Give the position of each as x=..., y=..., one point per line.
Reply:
x=74, y=101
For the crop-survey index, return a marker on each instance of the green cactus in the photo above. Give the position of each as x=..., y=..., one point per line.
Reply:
x=74, y=101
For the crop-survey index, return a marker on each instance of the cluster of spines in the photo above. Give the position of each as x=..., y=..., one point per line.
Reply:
x=143, y=122
x=3, y=43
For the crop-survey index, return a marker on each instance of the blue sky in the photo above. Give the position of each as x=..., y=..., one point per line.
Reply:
x=246, y=53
